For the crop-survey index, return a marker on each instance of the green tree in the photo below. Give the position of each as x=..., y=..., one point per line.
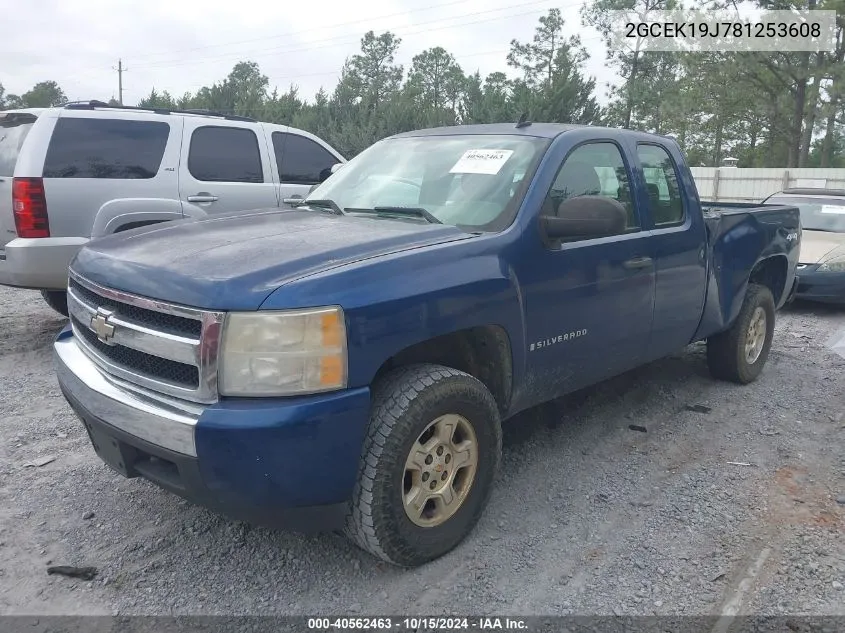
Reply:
x=428, y=73
x=438, y=81
x=282, y=108
x=629, y=63
x=371, y=77
x=44, y=94
x=243, y=92
x=766, y=109
x=161, y=100
x=831, y=105
x=553, y=87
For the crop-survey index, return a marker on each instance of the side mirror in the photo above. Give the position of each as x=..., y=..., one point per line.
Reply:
x=586, y=216
x=324, y=175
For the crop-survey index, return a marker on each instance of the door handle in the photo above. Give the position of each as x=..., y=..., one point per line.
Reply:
x=202, y=198
x=637, y=262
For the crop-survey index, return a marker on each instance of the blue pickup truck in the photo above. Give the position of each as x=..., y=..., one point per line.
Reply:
x=347, y=364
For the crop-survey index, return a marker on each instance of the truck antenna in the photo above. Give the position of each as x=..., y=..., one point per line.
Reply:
x=523, y=121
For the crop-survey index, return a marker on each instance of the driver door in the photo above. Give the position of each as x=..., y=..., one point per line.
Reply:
x=589, y=302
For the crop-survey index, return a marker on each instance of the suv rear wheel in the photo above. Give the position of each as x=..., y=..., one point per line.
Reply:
x=56, y=299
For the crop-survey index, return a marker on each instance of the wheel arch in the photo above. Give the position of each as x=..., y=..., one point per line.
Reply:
x=771, y=272
x=483, y=352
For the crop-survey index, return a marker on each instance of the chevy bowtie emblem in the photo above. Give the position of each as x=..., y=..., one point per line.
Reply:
x=101, y=326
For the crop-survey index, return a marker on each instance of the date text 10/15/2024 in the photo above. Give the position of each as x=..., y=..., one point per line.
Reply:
x=416, y=624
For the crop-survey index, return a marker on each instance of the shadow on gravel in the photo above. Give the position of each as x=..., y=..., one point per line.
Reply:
x=29, y=333
x=810, y=308
x=635, y=388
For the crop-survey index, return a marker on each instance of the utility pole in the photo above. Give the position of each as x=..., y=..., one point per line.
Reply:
x=120, y=70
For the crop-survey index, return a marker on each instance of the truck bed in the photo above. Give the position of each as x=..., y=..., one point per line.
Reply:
x=719, y=217
x=739, y=236
x=719, y=209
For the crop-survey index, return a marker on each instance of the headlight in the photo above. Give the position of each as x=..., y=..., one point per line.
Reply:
x=283, y=352
x=835, y=265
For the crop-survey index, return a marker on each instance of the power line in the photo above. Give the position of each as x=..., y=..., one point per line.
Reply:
x=338, y=71
x=291, y=33
x=330, y=42
x=345, y=39
x=334, y=41
x=339, y=40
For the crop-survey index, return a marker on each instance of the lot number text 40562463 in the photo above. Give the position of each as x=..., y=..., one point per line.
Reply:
x=416, y=624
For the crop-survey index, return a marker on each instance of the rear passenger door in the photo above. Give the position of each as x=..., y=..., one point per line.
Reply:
x=225, y=167
x=677, y=247
x=301, y=162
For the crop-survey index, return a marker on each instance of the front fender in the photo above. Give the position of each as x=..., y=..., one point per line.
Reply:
x=115, y=214
x=395, y=302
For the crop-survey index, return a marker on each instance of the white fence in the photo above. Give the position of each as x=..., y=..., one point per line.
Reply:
x=731, y=184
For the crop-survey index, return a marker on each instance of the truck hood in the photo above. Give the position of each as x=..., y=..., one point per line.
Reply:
x=816, y=245
x=234, y=262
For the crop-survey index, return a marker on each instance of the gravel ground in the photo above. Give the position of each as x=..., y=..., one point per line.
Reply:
x=588, y=516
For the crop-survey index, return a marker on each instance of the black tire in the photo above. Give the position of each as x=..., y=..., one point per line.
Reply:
x=405, y=402
x=56, y=299
x=726, y=351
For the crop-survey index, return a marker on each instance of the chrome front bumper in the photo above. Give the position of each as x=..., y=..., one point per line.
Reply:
x=161, y=421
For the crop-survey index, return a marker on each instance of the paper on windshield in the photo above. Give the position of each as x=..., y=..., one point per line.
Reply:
x=832, y=208
x=481, y=161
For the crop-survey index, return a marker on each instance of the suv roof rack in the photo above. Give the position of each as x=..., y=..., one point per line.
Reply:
x=92, y=104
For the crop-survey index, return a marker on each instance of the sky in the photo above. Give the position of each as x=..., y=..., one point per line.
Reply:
x=182, y=45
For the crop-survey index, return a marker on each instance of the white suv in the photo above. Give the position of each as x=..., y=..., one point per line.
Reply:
x=84, y=170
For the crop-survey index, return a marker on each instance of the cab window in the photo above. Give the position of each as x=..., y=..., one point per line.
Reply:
x=593, y=169
x=664, y=192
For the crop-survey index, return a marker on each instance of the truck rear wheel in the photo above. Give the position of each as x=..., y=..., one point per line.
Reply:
x=739, y=353
x=56, y=299
x=432, y=450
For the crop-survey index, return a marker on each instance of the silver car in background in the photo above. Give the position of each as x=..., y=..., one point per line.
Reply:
x=74, y=173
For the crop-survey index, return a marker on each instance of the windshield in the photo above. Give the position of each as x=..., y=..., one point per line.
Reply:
x=475, y=181
x=817, y=214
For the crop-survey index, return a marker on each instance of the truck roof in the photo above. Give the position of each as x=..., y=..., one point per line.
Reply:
x=541, y=130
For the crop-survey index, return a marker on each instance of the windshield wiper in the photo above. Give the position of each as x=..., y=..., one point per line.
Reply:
x=417, y=212
x=317, y=204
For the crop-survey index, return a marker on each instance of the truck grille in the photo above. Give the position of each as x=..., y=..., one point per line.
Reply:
x=148, y=318
x=162, y=347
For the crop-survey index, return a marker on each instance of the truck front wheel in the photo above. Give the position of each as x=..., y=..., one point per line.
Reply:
x=739, y=353
x=432, y=450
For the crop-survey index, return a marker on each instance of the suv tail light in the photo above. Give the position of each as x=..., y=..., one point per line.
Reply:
x=29, y=206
